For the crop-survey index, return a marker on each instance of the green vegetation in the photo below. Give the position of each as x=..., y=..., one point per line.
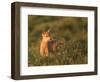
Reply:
x=72, y=30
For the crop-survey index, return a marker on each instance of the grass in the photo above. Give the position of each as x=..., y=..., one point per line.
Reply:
x=73, y=30
x=72, y=52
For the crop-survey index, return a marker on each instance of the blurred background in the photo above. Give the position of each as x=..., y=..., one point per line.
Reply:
x=71, y=30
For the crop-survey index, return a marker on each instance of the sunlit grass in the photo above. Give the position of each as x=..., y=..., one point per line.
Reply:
x=72, y=30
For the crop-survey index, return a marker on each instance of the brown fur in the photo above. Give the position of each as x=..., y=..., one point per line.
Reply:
x=44, y=50
x=48, y=45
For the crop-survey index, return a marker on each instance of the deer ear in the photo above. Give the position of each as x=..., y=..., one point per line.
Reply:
x=42, y=33
x=49, y=30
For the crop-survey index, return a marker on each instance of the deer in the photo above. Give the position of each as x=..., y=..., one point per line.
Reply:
x=44, y=50
x=48, y=44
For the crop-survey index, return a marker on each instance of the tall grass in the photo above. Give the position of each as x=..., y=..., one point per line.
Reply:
x=72, y=30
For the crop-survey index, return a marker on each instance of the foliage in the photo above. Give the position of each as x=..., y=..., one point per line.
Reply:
x=72, y=30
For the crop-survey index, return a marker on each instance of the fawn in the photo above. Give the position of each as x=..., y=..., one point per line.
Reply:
x=48, y=44
x=44, y=50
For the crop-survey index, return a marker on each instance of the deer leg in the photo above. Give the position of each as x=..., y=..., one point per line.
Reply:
x=46, y=52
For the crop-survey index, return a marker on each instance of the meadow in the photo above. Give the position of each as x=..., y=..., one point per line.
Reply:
x=72, y=30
